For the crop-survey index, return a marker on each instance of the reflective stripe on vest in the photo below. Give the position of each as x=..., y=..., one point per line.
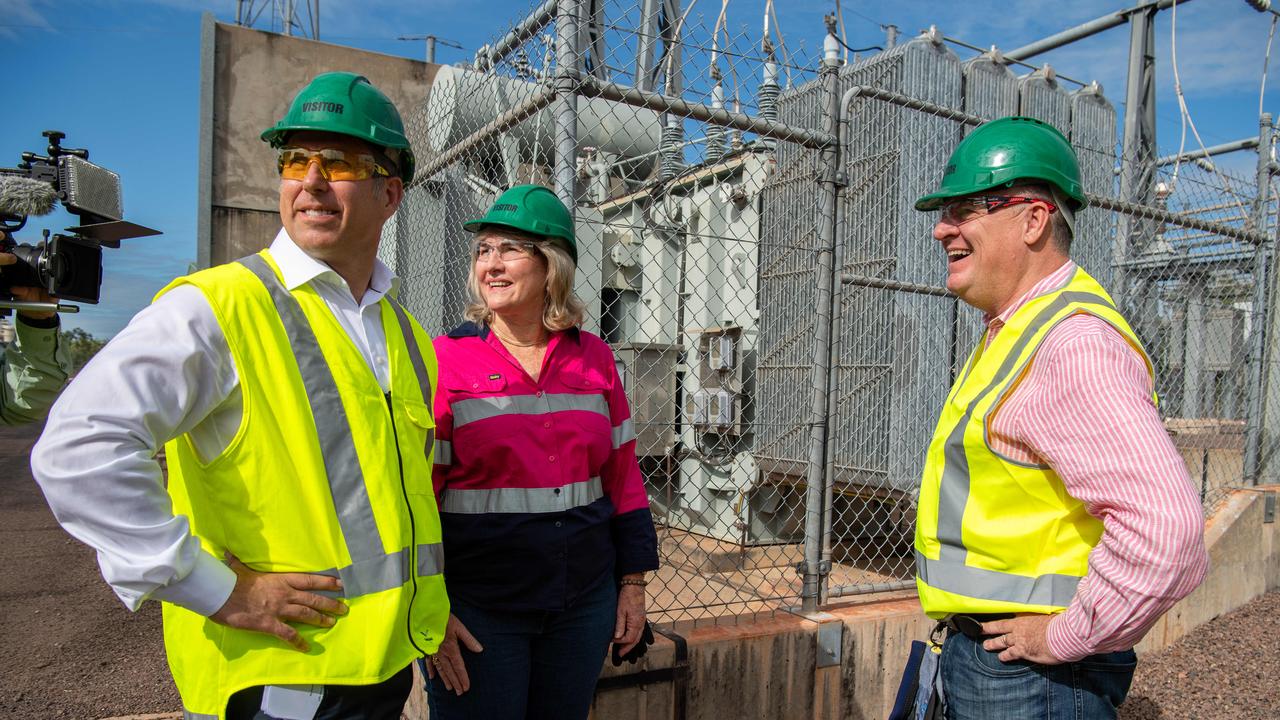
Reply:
x=522, y=500
x=188, y=715
x=371, y=570
x=949, y=572
x=415, y=359
x=482, y=408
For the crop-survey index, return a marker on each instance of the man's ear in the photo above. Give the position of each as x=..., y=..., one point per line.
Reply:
x=1037, y=224
x=394, y=189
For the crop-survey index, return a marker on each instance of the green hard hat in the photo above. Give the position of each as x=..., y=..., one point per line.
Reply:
x=533, y=209
x=346, y=104
x=1005, y=151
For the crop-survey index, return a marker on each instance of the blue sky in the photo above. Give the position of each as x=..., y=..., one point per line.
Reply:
x=121, y=78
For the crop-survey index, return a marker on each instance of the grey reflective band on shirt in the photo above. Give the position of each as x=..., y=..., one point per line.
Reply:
x=482, y=408
x=955, y=484
x=624, y=433
x=521, y=500
x=444, y=452
x=188, y=715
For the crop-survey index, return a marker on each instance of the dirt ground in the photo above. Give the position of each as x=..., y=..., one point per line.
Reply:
x=74, y=651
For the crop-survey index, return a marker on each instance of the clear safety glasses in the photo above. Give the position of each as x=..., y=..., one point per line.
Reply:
x=959, y=212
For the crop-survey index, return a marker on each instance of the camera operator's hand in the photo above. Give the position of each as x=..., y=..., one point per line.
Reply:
x=29, y=294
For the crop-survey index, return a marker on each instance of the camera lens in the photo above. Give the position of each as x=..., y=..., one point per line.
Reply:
x=59, y=267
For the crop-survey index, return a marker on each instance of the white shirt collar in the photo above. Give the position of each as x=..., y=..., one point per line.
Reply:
x=298, y=268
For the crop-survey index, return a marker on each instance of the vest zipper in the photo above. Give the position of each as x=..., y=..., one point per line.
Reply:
x=413, y=530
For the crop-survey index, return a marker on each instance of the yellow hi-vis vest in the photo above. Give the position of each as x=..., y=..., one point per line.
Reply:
x=325, y=474
x=993, y=534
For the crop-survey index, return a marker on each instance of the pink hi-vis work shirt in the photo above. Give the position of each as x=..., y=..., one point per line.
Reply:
x=539, y=491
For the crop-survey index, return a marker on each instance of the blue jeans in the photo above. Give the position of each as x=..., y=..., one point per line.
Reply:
x=539, y=665
x=978, y=686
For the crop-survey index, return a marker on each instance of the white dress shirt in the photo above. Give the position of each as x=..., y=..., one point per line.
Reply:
x=169, y=372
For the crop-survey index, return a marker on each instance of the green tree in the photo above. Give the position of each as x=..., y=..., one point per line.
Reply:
x=81, y=346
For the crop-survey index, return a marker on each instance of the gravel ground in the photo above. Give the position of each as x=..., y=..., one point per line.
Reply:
x=1227, y=668
x=73, y=651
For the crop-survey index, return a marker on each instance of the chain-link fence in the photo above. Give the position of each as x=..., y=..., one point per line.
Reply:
x=748, y=247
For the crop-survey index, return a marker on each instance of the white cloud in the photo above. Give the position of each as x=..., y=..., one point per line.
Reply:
x=19, y=16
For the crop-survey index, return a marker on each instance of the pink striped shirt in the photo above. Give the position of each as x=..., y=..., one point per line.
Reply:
x=1084, y=408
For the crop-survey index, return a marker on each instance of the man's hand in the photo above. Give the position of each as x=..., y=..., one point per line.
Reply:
x=448, y=662
x=267, y=602
x=630, y=623
x=1021, y=638
x=28, y=294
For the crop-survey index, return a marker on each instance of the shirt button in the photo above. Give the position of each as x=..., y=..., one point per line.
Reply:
x=551, y=458
x=539, y=393
x=475, y=385
x=546, y=424
x=557, y=491
x=559, y=524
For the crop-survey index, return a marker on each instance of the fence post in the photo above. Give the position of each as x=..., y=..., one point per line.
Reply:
x=812, y=570
x=566, y=113
x=1258, y=309
x=1137, y=171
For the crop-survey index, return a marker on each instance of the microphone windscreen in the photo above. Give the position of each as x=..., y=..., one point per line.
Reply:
x=24, y=196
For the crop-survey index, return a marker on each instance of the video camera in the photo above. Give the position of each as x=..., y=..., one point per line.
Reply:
x=68, y=266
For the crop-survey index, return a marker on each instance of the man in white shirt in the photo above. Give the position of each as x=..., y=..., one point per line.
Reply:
x=288, y=482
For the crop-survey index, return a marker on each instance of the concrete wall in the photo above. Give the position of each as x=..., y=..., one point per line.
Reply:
x=248, y=79
x=766, y=668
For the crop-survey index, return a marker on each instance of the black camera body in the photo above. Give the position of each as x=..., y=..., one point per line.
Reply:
x=66, y=265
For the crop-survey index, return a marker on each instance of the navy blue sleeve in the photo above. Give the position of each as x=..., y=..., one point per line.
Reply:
x=635, y=541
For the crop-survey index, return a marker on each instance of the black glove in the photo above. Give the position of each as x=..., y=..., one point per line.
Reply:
x=637, y=652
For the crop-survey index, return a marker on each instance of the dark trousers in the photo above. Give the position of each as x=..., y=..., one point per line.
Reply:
x=535, y=665
x=383, y=701
x=978, y=686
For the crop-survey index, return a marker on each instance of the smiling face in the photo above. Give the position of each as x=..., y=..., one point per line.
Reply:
x=995, y=257
x=341, y=220
x=515, y=288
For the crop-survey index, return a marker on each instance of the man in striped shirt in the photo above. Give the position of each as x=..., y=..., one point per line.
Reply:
x=1056, y=520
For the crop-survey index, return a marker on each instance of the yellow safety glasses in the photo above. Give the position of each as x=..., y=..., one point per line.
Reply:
x=335, y=165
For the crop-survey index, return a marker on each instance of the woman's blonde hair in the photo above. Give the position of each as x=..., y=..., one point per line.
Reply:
x=561, y=309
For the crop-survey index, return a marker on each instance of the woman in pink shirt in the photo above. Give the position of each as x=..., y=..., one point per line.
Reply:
x=546, y=524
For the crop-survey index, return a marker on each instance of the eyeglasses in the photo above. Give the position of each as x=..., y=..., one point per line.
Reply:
x=959, y=212
x=507, y=249
x=335, y=165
